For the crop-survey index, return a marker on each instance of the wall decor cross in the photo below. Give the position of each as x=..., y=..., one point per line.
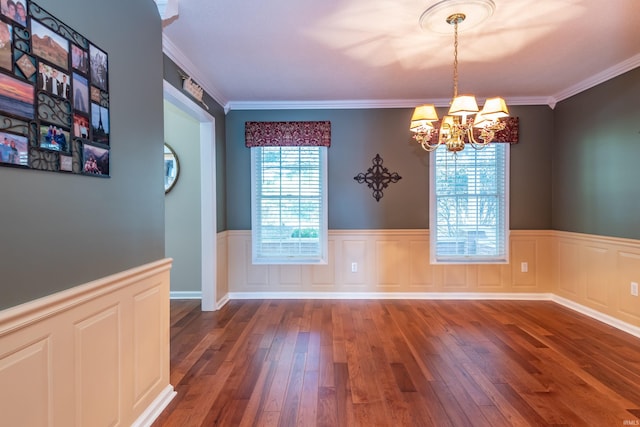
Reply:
x=377, y=177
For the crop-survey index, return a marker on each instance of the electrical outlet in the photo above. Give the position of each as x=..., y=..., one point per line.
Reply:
x=634, y=289
x=354, y=267
x=524, y=267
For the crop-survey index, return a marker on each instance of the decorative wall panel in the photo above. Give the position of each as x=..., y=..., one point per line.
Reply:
x=93, y=355
x=389, y=261
x=25, y=375
x=98, y=368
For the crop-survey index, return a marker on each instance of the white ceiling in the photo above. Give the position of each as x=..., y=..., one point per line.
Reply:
x=358, y=53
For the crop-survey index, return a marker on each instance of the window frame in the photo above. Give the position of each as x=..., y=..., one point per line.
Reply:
x=321, y=255
x=499, y=258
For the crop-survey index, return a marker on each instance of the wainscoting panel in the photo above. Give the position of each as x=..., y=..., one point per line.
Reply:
x=222, y=272
x=28, y=398
x=628, y=266
x=324, y=275
x=568, y=271
x=596, y=272
x=148, y=332
x=421, y=271
x=389, y=255
x=391, y=261
x=98, y=371
x=597, y=264
x=93, y=355
x=491, y=277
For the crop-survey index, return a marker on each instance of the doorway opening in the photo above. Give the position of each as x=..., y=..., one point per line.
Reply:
x=208, y=221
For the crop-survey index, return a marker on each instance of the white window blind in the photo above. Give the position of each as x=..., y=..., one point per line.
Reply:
x=289, y=209
x=469, y=200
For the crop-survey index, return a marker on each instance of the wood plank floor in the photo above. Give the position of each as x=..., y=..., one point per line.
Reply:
x=399, y=363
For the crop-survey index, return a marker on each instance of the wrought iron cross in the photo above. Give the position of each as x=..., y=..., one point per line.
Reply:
x=377, y=177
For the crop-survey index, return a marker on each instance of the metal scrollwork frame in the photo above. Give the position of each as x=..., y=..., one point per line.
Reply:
x=62, y=128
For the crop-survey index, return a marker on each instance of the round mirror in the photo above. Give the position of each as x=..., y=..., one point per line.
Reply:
x=171, y=168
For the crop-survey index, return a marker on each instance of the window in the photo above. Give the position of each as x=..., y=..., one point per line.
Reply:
x=289, y=209
x=469, y=215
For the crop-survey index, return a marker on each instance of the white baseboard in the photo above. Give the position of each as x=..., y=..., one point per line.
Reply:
x=609, y=320
x=604, y=318
x=185, y=295
x=390, y=295
x=154, y=410
x=222, y=301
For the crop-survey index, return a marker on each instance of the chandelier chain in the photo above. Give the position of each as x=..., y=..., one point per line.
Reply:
x=455, y=59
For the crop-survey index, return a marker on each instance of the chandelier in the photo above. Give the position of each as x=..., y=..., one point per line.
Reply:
x=457, y=127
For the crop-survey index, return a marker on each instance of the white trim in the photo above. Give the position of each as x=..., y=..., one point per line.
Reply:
x=185, y=295
x=41, y=309
x=392, y=295
x=223, y=301
x=365, y=103
x=174, y=53
x=156, y=407
x=608, y=74
x=594, y=314
x=208, y=221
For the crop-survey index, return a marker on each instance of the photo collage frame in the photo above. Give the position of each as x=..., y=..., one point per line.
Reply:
x=54, y=94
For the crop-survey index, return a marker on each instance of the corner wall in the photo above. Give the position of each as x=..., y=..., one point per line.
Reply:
x=595, y=160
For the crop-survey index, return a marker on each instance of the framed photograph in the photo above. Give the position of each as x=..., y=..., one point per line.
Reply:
x=16, y=97
x=54, y=81
x=49, y=46
x=79, y=59
x=66, y=163
x=26, y=65
x=99, y=124
x=95, y=94
x=80, y=126
x=15, y=10
x=80, y=93
x=6, y=32
x=14, y=149
x=96, y=160
x=99, y=66
x=54, y=138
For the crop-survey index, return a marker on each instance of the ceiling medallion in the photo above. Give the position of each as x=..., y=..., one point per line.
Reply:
x=475, y=11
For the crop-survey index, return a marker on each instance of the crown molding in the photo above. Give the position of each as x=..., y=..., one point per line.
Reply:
x=608, y=74
x=174, y=53
x=365, y=104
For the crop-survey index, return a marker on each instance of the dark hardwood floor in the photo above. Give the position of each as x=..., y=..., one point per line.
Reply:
x=399, y=363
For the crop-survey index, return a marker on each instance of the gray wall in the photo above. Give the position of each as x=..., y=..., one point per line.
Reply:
x=182, y=203
x=172, y=75
x=358, y=135
x=595, y=160
x=64, y=230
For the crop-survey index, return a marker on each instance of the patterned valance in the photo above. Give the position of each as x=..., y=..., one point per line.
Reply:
x=280, y=134
x=509, y=134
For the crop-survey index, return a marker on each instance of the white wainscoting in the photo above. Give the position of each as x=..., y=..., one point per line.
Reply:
x=93, y=355
x=391, y=262
x=596, y=272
